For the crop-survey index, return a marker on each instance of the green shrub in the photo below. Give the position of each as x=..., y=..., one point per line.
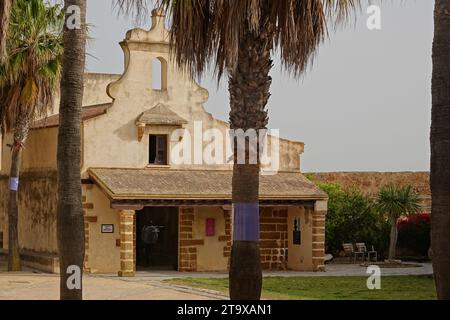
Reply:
x=352, y=218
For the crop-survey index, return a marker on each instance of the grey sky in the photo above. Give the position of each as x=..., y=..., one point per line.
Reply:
x=364, y=105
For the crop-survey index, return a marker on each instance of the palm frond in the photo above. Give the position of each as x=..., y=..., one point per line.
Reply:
x=30, y=74
x=138, y=9
x=208, y=33
x=396, y=201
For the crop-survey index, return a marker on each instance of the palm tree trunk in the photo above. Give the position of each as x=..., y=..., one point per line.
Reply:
x=70, y=221
x=249, y=88
x=440, y=150
x=21, y=129
x=5, y=10
x=393, y=239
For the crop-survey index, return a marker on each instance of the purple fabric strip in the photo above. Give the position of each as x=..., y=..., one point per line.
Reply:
x=14, y=184
x=246, y=221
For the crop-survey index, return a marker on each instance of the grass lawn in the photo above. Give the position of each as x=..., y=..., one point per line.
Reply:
x=331, y=288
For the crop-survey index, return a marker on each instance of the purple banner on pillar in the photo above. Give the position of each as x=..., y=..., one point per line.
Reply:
x=246, y=221
x=14, y=184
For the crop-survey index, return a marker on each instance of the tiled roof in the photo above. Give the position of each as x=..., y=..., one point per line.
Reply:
x=160, y=115
x=88, y=113
x=160, y=184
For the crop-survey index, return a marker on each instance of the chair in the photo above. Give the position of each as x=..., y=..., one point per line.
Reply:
x=361, y=250
x=372, y=253
x=349, y=251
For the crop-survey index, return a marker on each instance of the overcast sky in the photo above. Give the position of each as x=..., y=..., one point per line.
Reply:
x=365, y=105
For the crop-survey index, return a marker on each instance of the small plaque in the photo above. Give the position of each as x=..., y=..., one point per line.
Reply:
x=107, y=228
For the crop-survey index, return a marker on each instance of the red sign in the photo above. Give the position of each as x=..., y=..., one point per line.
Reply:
x=210, y=227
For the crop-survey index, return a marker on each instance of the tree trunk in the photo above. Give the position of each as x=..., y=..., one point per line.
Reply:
x=440, y=150
x=393, y=239
x=21, y=129
x=5, y=11
x=249, y=86
x=70, y=220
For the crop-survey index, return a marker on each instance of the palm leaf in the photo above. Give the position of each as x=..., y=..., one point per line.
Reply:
x=208, y=33
x=30, y=73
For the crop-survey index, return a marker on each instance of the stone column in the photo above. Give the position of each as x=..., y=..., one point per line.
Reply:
x=187, y=260
x=127, y=258
x=318, y=235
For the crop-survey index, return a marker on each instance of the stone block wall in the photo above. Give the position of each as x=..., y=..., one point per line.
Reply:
x=88, y=206
x=274, y=238
x=227, y=236
x=127, y=249
x=370, y=182
x=37, y=201
x=187, y=261
x=318, y=241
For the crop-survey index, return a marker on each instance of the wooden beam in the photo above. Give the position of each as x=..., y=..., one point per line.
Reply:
x=140, y=204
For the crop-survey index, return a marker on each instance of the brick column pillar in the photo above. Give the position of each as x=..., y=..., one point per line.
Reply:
x=318, y=235
x=227, y=237
x=127, y=258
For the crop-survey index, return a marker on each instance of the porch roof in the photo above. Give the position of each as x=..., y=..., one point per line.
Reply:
x=86, y=114
x=171, y=184
x=160, y=115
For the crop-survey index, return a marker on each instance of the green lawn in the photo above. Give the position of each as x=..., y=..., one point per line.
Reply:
x=331, y=288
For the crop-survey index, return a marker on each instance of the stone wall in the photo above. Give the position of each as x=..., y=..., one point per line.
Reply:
x=37, y=211
x=371, y=182
x=194, y=245
x=188, y=246
x=227, y=237
x=318, y=236
x=274, y=238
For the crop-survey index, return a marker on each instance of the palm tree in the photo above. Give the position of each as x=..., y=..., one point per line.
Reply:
x=5, y=8
x=70, y=220
x=395, y=202
x=28, y=80
x=239, y=38
x=440, y=150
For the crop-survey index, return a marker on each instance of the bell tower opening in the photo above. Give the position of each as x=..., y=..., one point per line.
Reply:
x=159, y=74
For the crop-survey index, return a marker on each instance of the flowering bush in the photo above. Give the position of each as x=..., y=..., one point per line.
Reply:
x=414, y=235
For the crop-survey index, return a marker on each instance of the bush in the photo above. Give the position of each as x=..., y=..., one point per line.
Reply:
x=414, y=235
x=352, y=218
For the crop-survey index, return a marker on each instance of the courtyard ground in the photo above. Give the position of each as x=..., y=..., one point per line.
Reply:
x=339, y=282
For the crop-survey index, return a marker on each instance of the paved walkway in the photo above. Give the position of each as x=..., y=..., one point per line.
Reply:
x=151, y=286
x=332, y=270
x=29, y=286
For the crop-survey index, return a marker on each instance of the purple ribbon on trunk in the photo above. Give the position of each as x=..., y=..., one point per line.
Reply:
x=246, y=221
x=14, y=184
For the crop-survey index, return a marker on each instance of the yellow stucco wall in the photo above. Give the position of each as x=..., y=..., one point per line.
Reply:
x=39, y=152
x=94, y=90
x=37, y=211
x=300, y=256
x=210, y=256
x=111, y=140
x=37, y=205
x=103, y=256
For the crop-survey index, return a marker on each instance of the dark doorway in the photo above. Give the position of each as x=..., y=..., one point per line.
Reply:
x=157, y=246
